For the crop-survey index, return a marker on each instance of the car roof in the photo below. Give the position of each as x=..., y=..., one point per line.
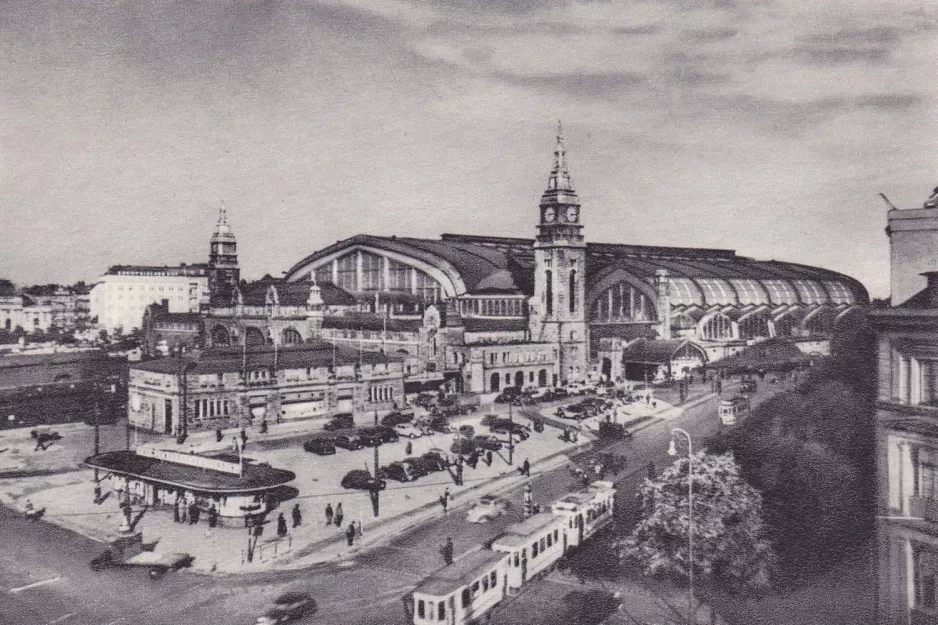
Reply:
x=293, y=597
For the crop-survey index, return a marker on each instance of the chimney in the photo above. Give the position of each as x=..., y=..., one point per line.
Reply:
x=913, y=240
x=663, y=287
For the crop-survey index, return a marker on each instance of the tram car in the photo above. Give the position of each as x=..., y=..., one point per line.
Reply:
x=465, y=591
x=586, y=511
x=462, y=591
x=533, y=546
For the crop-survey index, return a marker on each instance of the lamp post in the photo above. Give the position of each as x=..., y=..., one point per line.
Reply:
x=672, y=451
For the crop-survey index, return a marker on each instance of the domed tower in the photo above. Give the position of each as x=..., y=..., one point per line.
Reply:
x=557, y=308
x=223, y=270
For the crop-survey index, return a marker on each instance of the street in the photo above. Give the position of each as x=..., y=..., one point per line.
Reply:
x=365, y=591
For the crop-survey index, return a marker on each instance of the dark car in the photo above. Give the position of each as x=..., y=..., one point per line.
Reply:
x=289, y=607
x=323, y=446
x=439, y=424
x=435, y=460
x=362, y=480
x=348, y=441
x=398, y=472
x=487, y=443
x=508, y=395
x=504, y=426
x=340, y=422
x=416, y=466
x=558, y=393
x=393, y=418
x=463, y=446
x=378, y=434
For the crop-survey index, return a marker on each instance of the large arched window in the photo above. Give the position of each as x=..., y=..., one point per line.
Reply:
x=549, y=292
x=220, y=336
x=754, y=326
x=291, y=337
x=572, y=291
x=254, y=336
x=718, y=327
x=621, y=302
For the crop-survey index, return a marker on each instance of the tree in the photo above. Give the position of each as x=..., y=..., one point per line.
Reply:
x=729, y=535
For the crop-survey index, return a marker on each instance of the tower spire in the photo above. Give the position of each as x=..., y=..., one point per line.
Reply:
x=221, y=226
x=559, y=176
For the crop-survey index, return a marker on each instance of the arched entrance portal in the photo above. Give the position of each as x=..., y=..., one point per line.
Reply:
x=606, y=369
x=519, y=379
x=542, y=377
x=254, y=336
x=220, y=336
x=495, y=382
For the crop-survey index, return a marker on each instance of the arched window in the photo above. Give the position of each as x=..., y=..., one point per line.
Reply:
x=220, y=336
x=549, y=292
x=291, y=337
x=573, y=290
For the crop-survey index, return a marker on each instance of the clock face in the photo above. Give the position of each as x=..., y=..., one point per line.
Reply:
x=549, y=214
x=572, y=213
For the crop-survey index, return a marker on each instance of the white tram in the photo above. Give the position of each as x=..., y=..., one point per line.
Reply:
x=586, y=511
x=462, y=591
x=466, y=590
x=533, y=546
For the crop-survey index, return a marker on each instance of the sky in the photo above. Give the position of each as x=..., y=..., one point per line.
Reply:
x=764, y=126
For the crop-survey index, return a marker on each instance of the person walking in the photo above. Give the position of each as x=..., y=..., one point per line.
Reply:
x=526, y=468
x=444, y=503
x=176, y=511
x=328, y=514
x=409, y=449
x=350, y=534
x=281, y=526
x=184, y=512
x=339, y=515
x=213, y=516
x=193, y=513
x=447, y=551
x=297, y=516
x=244, y=439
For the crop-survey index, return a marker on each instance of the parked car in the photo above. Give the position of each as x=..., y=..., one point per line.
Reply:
x=487, y=443
x=439, y=424
x=541, y=393
x=393, y=418
x=324, y=446
x=287, y=608
x=435, y=460
x=377, y=435
x=507, y=395
x=340, y=422
x=409, y=430
x=558, y=393
x=348, y=441
x=488, y=420
x=504, y=426
x=398, y=471
x=486, y=509
x=524, y=400
x=362, y=480
x=463, y=446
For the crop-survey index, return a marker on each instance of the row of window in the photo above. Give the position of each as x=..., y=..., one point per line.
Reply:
x=381, y=394
x=621, y=303
x=539, y=546
x=494, y=307
x=425, y=609
x=714, y=291
x=516, y=357
x=377, y=273
x=209, y=408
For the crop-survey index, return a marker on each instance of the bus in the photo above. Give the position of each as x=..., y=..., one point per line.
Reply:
x=732, y=409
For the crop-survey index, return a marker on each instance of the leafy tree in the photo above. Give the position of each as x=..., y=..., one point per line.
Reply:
x=730, y=542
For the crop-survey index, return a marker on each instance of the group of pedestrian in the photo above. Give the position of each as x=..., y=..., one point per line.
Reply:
x=188, y=514
x=335, y=516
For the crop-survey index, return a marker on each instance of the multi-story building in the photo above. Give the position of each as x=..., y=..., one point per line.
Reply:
x=120, y=297
x=228, y=386
x=907, y=423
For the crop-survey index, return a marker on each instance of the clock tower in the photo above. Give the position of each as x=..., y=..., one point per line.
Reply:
x=557, y=312
x=223, y=270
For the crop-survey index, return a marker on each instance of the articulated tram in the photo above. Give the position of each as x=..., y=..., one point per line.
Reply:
x=466, y=590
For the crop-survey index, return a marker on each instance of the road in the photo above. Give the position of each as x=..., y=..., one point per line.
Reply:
x=367, y=591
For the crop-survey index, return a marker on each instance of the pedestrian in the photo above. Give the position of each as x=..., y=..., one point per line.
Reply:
x=244, y=439
x=218, y=435
x=447, y=551
x=526, y=468
x=213, y=516
x=281, y=526
x=328, y=514
x=176, y=511
x=647, y=399
x=654, y=405
x=350, y=534
x=339, y=515
x=446, y=493
x=358, y=529
x=193, y=513
x=488, y=458
x=443, y=503
x=184, y=512
x=297, y=516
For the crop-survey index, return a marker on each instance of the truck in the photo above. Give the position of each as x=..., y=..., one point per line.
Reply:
x=130, y=551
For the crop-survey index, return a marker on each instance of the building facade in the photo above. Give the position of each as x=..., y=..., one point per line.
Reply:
x=226, y=387
x=120, y=297
x=907, y=424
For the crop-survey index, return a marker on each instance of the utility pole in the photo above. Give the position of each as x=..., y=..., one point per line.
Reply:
x=375, y=493
x=511, y=435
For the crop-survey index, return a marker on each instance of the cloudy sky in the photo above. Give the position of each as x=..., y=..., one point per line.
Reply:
x=767, y=126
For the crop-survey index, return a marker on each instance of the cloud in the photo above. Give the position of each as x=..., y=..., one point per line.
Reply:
x=839, y=54
x=647, y=29
x=582, y=85
x=711, y=35
x=890, y=101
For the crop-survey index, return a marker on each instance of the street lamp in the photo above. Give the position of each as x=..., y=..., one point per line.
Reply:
x=672, y=451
